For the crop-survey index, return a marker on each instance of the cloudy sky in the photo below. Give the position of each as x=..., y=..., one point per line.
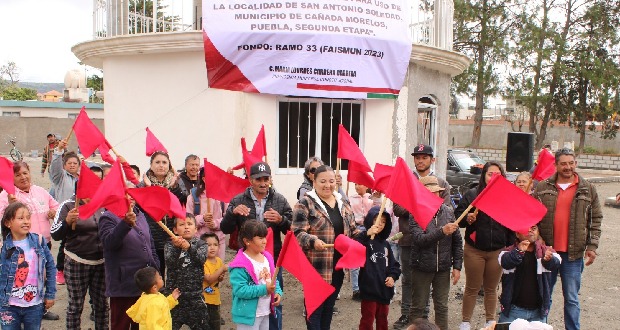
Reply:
x=38, y=35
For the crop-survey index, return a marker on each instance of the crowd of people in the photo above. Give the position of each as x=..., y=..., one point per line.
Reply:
x=136, y=274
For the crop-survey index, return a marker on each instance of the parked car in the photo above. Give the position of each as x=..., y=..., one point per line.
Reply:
x=464, y=168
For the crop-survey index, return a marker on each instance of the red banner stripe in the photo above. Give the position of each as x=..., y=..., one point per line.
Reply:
x=336, y=88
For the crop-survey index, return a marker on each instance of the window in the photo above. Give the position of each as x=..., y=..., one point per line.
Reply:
x=11, y=114
x=309, y=127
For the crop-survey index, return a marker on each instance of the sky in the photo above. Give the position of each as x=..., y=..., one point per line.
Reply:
x=38, y=35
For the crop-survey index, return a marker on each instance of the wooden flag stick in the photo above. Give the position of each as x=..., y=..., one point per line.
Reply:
x=380, y=214
x=529, y=185
x=209, y=205
x=275, y=275
x=69, y=135
x=328, y=245
x=77, y=202
x=464, y=214
x=163, y=226
x=348, y=188
x=338, y=166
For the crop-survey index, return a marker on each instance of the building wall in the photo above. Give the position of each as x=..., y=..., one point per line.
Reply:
x=600, y=162
x=495, y=133
x=30, y=133
x=168, y=92
x=421, y=82
x=61, y=110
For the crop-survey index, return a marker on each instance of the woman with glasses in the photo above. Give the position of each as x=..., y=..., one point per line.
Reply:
x=309, y=168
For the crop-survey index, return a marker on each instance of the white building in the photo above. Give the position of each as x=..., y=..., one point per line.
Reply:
x=159, y=80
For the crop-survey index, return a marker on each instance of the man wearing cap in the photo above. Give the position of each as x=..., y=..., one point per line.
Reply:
x=263, y=203
x=48, y=150
x=423, y=159
x=436, y=253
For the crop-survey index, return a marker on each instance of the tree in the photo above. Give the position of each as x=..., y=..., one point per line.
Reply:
x=96, y=84
x=480, y=32
x=19, y=94
x=9, y=75
x=141, y=17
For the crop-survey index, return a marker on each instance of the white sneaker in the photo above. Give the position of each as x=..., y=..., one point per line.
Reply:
x=489, y=323
x=465, y=326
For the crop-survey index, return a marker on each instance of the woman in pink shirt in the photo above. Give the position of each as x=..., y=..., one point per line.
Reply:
x=41, y=204
x=361, y=202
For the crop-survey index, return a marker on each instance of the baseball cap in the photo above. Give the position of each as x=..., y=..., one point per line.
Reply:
x=259, y=170
x=431, y=183
x=422, y=149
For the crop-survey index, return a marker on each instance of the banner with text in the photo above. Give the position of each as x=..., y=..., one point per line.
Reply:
x=322, y=48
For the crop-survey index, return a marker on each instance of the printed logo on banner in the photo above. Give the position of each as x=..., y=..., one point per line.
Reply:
x=323, y=48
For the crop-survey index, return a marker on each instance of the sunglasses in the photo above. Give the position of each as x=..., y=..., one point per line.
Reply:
x=312, y=170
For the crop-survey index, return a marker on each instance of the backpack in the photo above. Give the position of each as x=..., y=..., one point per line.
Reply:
x=232, y=239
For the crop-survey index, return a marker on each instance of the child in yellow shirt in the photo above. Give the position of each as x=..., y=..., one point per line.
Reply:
x=152, y=310
x=214, y=273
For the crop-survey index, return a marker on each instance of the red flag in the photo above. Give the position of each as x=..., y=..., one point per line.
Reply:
x=249, y=159
x=129, y=175
x=221, y=185
x=157, y=202
x=358, y=175
x=348, y=149
x=353, y=253
x=88, y=183
x=293, y=259
x=409, y=193
x=110, y=194
x=153, y=144
x=382, y=174
x=545, y=165
x=509, y=205
x=269, y=246
x=104, y=150
x=88, y=136
x=7, y=179
x=259, y=149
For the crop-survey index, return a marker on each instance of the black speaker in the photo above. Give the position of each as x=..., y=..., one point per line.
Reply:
x=519, y=152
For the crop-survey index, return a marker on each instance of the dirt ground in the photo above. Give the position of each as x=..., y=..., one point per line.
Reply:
x=600, y=290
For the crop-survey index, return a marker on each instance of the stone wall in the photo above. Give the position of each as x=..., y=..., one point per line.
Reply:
x=30, y=133
x=599, y=162
x=495, y=132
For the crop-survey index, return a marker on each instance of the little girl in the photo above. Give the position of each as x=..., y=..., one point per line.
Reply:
x=27, y=272
x=254, y=295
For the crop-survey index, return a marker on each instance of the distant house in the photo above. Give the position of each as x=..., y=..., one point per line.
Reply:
x=51, y=96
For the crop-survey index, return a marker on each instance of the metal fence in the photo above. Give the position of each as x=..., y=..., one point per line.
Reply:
x=125, y=17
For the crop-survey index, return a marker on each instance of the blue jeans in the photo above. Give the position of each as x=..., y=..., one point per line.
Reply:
x=355, y=276
x=570, y=272
x=517, y=312
x=12, y=317
x=321, y=319
x=275, y=321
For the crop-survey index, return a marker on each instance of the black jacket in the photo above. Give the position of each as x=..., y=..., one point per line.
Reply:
x=380, y=262
x=275, y=201
x=490, y=234
x=84, y=241
x=185, y=185
x=433, y=251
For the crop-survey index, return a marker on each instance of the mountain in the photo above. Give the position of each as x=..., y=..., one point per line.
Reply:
x=42, y=87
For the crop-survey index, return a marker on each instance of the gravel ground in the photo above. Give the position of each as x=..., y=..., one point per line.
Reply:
x=600, y=295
